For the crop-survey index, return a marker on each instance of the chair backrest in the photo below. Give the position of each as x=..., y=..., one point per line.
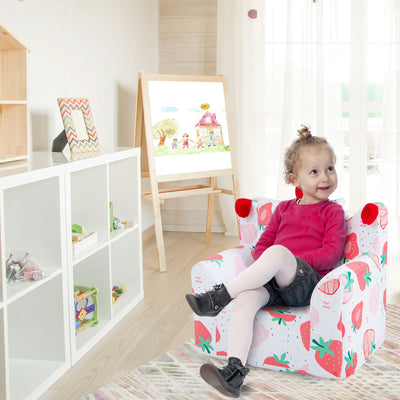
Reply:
x=254, y=224
x=358, y=233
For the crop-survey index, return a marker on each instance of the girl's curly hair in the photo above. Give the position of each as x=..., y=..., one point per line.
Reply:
x=291, y=158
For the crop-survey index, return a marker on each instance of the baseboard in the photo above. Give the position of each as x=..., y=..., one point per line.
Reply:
x=148, y=234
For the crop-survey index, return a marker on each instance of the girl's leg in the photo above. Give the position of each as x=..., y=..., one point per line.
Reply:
x=241, y=324
x=229, y=379
x=277, y=261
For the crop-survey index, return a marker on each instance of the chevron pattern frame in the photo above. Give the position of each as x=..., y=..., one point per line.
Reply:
x=76, y=145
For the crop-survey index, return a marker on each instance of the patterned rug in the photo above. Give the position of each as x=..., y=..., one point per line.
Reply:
x=175, y=376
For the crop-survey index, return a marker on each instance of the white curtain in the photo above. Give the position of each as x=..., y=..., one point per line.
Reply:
x=334, y=65
x=385, y=52
x=282, y=72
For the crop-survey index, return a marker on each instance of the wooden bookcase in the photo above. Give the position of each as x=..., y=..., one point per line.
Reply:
x=40, y=199
x=13, y=99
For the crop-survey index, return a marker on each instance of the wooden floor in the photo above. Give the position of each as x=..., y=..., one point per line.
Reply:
x=162, y=320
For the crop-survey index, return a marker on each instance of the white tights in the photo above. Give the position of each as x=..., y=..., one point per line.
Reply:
x=277, y=261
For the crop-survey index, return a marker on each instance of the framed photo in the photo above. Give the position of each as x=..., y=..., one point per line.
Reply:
x=78, y=125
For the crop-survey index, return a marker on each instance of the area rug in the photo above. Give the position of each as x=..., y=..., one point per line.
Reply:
x=175, y=376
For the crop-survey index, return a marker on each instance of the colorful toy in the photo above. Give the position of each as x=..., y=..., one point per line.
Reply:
x=117, y=291
x=20, y=266
x=118, y=224
x=79, y=233
x=85, y=307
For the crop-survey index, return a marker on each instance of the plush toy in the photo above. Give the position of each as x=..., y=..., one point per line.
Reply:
x=369, y=213
x=243, y=207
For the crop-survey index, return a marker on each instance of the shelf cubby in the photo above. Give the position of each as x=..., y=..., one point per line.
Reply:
x=123, y=196
x=93, y=272
x=13, y=132
x=125, y=269
x=37, y=340
x=33, y=224
x=89, y=200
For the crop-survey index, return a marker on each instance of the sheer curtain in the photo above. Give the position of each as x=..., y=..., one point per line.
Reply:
x=385, y=51
x=282, y=67
x=334, y=65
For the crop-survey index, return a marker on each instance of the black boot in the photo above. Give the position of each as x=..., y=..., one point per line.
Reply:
x=209, y=304
x=227, y=380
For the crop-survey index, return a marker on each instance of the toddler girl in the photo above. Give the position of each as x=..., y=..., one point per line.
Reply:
x=302, y=242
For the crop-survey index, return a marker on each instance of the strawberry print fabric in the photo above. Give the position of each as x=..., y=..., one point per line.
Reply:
x=331, y=338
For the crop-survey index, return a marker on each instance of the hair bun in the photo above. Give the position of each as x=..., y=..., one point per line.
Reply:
x=304, y=132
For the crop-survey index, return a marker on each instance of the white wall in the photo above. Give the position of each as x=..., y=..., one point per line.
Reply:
x=85, y=48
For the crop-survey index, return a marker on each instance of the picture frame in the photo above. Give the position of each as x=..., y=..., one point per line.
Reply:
x=78, y=124
x=187, y=122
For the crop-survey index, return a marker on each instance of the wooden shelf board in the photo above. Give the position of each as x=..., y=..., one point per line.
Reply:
x=13, y=102
x=11, y=157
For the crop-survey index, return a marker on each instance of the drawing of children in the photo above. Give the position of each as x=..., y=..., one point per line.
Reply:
x=185, y=141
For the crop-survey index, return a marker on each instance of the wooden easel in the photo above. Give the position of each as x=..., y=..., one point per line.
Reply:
x=144, y=140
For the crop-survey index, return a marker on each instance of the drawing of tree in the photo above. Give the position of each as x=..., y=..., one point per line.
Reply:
x=165, y=128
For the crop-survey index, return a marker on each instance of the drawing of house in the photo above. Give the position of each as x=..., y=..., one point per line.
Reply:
x=208, y=123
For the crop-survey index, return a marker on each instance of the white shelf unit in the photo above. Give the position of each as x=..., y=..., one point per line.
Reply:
x=40, y=199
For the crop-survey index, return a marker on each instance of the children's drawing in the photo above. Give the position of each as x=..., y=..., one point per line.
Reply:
x=189, y=126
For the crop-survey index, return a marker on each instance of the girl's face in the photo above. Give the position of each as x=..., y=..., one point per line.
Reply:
x=315, y=175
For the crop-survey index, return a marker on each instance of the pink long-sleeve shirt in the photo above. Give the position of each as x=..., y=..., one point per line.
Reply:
x=315, y=233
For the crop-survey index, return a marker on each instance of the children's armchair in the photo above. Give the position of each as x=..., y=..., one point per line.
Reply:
x=345, y=322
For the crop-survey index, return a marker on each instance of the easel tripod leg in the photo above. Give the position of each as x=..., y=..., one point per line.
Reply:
x=159, y=236
x=210, y=210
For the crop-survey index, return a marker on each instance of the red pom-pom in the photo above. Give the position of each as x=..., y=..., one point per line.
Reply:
x=299, y=193
x=242, y=207
x=369, y=213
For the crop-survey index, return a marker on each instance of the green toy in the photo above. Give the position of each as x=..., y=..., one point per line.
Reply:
x=85, y=307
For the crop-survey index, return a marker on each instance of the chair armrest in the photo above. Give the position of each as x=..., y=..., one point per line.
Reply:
x=349, y=279
x=348, y=308
x=374, y=234
x=220, y=268
x=338, y=293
